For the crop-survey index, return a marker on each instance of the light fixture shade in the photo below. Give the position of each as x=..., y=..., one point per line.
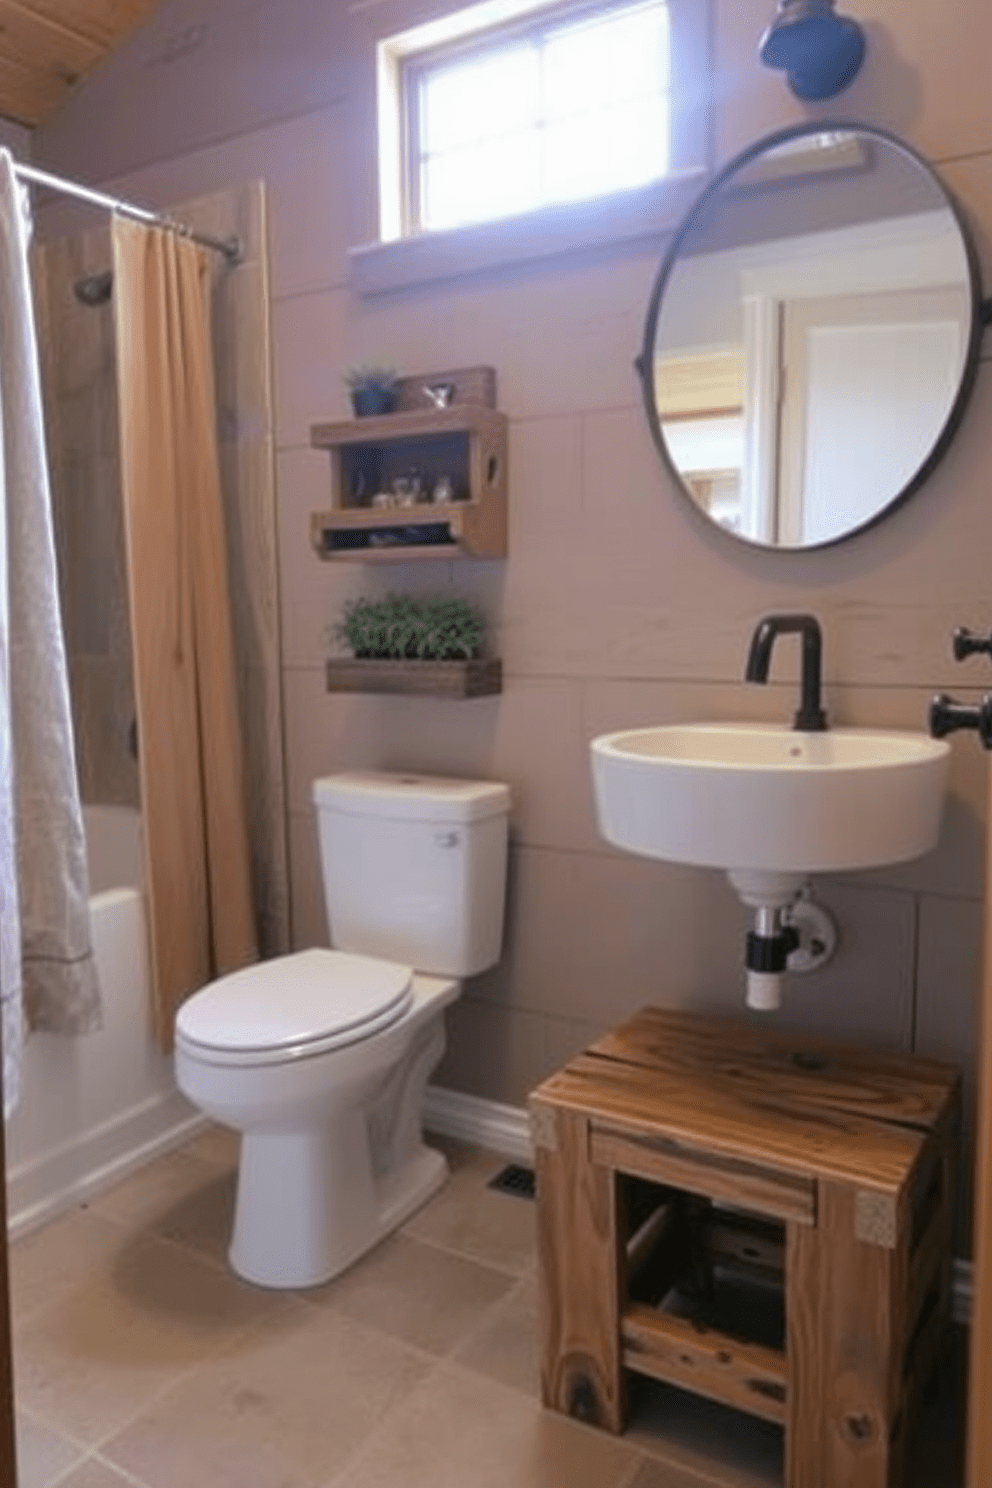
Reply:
x=820, y=51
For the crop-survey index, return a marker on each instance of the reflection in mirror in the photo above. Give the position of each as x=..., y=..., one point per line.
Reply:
x=812, y=336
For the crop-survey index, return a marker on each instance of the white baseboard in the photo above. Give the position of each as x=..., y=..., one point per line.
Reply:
x=507, y=1129
x=41, y=1187
x=504, y=1129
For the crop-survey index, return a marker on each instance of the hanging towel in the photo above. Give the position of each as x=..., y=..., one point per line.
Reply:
x=47, y=973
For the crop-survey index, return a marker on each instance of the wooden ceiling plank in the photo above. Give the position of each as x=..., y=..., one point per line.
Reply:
x=103, y=21
x=27, y=96
x=38, y=44
x=63, y=21
x=47, y=45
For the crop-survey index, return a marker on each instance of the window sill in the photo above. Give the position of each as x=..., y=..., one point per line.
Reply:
x=648, y=211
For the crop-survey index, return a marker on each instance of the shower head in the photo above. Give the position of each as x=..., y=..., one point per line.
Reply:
x=94, y=289
x=819, y=51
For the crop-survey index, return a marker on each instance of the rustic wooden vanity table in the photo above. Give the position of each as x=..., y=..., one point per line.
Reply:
x=754, y=1216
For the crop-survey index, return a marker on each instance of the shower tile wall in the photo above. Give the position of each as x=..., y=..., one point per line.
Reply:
x=79, y=377
x=80, y=392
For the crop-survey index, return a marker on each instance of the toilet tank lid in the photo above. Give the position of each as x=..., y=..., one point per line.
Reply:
x=411, y=796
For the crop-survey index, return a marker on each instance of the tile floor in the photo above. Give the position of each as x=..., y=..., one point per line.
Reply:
x=140, y=1359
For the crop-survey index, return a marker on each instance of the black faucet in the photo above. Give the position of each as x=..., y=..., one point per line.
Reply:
x=810, y=718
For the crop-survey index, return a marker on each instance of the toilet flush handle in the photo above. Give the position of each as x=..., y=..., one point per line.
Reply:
x=447, y=839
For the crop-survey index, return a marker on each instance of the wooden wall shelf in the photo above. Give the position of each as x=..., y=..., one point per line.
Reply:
x=451, y=679
x=466, y=442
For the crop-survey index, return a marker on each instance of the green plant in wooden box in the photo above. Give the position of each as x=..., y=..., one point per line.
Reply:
x=408, y=627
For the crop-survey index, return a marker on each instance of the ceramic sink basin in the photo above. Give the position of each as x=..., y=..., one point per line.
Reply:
x=768, y=798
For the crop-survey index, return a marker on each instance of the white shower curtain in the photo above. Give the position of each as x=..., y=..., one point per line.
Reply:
x=47, y=973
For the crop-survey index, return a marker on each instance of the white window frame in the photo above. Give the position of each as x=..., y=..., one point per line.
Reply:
x=402, y=256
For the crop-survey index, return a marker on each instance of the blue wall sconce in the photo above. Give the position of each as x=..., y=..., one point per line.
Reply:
x=820, y=51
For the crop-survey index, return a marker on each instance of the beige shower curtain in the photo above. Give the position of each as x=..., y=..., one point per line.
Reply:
x=190, y=759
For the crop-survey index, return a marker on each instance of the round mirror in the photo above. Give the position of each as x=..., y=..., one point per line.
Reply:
x=812, y=335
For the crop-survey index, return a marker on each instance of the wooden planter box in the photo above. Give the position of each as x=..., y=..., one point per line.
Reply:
x=451, y=679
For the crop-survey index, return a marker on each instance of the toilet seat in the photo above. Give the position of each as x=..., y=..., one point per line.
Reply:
x=293, y=1007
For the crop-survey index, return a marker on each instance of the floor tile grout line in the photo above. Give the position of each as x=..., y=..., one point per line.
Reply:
x=485, y=1263
x=35, y=1420
x=101, y=1201
x=222, y=1266
x=355, y=1458
x=466, y=1255
x=60, y=1477
x=128, y=1477
x=129, y=1226
x=512, y=1393
x=445, y=1364
x=133, y=1233
x=73, y=1467
x=382, y=1333
x=482, y=1262
x=501, y=1305
x=21, y=1318
x=83, y=1449
x=260, y=1326
x=240, y=1334
x=94, y=1456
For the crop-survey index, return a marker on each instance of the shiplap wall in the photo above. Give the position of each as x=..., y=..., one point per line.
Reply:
x=617, y=606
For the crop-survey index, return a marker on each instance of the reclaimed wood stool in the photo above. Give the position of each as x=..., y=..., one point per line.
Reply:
x=756, y=1216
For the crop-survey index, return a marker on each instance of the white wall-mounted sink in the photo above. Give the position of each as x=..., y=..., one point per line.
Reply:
x=770, y=799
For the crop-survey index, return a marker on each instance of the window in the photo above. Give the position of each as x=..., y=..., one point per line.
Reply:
x=567, y=110
x=502, y=109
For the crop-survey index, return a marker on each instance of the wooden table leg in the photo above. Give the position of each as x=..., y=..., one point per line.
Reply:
x=580, y=1261
x=844, y=1330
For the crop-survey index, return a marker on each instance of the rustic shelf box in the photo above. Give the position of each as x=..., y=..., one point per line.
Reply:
x=682, y=1163
x=466, y=442
x=451, y=679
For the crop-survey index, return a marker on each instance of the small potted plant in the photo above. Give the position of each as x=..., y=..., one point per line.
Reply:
x=373, y=390
x=408, y=643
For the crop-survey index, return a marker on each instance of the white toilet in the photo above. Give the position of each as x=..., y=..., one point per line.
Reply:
x=320, y=1059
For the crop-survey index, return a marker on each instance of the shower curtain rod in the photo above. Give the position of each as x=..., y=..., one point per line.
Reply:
x=230, y=247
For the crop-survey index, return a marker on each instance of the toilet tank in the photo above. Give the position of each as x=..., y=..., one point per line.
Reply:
x=414, y=867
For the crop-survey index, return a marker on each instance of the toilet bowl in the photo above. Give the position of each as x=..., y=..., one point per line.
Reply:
x=320, y=1059
x=332, y=1157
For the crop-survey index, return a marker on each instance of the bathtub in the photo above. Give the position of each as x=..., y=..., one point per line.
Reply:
x=95, y=1106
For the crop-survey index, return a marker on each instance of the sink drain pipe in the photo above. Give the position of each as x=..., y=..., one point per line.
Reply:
x=791, y=933
x=769, y=946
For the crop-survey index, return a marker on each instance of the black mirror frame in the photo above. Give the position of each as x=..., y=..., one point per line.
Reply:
x=981, y=315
